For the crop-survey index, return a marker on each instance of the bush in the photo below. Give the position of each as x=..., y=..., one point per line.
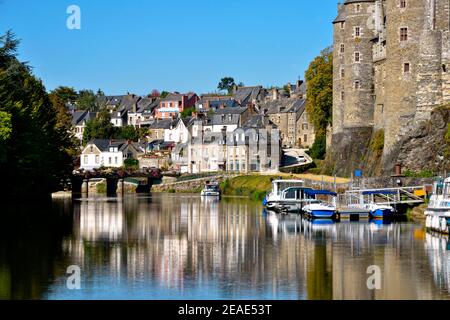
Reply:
x=131, y=164
x=319, y=148
x=377, y=143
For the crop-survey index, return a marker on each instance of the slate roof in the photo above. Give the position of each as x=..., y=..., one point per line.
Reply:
x=84, y=115
x=258, y=121
x=283, y=106
x=233, y=110
x=161, y=124
x=246, y=94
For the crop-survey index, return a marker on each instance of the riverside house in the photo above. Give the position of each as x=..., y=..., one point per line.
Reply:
x=100, y=153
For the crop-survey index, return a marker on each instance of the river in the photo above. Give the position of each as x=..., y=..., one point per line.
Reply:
x=172, y=246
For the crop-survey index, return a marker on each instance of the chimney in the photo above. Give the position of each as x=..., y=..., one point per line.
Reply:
x=274, y=94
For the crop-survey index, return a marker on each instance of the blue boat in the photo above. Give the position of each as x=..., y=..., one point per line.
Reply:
x=317, y=209
x=379, y=211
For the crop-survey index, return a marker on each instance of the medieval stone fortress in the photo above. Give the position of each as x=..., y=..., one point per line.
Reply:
x=391, y=70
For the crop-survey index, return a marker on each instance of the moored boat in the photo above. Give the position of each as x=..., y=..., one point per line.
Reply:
x=318, y=209
x=211, y=189
x=286, y=196
x=438, y=211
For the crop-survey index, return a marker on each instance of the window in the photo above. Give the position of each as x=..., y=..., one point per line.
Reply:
x=110, y=160
x=357, y=85
x=402, y=4
x=342, y=48
x=342, y=25
x=358, y=8
x=86, y=161
x=305, y=138
x=97, y=159
x=305, y=126
x=357, y=57
x=406, y=67
x=92, y=149
x=403, y=34
x=116, y=160
x=357, y=31
x=342, y=73
x=342, y=95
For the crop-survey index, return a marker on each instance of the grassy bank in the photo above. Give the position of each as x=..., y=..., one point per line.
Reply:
x=253, y=186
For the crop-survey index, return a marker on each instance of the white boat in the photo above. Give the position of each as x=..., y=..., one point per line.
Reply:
x=378, y=211
x=318, y=209
x=211, y=190
x=286, y=196
x=438, y=211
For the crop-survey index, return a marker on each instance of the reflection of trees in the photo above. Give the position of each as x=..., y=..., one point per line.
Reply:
x=30, y=248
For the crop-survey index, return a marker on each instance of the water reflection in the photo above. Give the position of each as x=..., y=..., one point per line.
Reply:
x=184, y=247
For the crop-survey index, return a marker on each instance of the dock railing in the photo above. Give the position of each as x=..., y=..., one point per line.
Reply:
x=385, y=196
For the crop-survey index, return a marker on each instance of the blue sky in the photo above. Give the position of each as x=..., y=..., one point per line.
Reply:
x=174, y=45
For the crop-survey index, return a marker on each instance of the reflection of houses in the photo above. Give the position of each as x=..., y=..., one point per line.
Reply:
x=79, y=120
x=107, y=153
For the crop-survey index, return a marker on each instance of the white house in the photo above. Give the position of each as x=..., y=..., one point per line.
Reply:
x=178, y=131
x=105, y=153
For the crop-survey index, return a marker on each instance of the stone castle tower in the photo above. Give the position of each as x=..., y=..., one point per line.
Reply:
x=391, y=66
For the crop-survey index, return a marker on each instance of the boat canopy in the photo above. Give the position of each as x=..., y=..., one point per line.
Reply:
x=375, y=192
x=311, y=192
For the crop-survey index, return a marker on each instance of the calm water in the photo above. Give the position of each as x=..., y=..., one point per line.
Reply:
x=183, y=247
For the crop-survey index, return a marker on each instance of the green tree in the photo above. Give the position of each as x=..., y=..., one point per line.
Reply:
x=66, y=94
x=226, y=84
x=99, y=128
x=187, y=112
x=36, y=151
x=319, y=101
x=86, y=100
x=164, y=94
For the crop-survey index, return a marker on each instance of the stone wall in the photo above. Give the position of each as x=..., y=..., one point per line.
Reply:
x=191, y=186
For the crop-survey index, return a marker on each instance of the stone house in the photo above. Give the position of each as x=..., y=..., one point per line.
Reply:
x=178, y=131
x=287, y=115
x=156, y=130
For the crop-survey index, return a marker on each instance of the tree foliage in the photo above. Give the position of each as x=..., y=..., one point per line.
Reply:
x=66, y=94
x=226, y=84
x=86, y=100
x=102, y=128
x=319, y=99
x=319, y=77
x=36, y=153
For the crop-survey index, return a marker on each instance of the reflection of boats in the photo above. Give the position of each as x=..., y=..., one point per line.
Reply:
x=286, y=195
x=320, y=209
x=211, y=189
x=438, y=211
x=438, y=255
